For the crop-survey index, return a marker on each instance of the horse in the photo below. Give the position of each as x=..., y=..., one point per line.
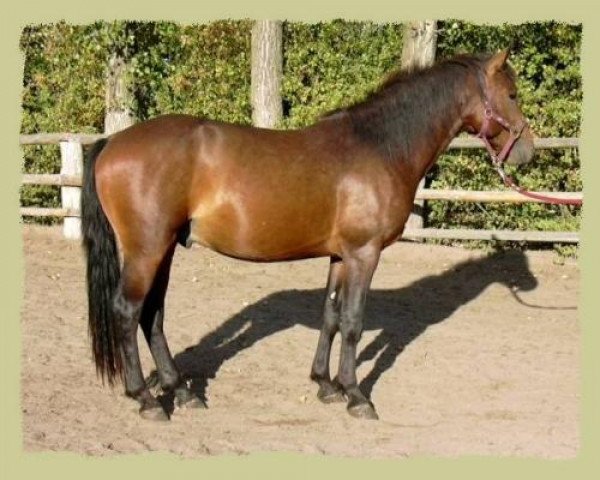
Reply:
x=341, y=188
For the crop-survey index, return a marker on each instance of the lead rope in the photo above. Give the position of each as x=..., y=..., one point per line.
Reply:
x=509, y=182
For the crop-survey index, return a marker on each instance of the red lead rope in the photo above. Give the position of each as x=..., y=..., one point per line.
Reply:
x=509, y=182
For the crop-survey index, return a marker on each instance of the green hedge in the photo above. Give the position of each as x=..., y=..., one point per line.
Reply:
x=201, y=70
x=205, y=70
x=333, y=64
x=63, y=91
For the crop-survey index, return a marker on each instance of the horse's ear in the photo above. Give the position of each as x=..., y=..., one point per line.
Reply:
x=497, y=61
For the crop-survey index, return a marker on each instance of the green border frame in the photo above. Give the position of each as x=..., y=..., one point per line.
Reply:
x=16, y=463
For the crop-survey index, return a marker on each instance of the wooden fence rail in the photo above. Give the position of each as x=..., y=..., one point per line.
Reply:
x=55, y=179
x=457, y=143
x=56, y=138
x=72, y=161
x=503, y=235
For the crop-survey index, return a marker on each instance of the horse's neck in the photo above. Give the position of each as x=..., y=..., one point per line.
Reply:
x=442, y=132
x=412, y=123
x=445, y=121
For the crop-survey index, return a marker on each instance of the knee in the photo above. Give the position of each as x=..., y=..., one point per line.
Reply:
x=331, y=319
x=351, y=328
x=127, y=312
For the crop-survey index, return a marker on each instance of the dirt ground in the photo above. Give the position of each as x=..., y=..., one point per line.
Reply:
x=453, y=361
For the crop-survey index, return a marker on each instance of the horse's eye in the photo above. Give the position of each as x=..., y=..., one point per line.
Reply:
x=513, y=96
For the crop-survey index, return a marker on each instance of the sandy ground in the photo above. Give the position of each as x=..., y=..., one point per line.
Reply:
x=453, y=362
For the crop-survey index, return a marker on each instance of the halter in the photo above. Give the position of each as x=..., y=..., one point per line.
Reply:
x=489, y=114
x=499, y=158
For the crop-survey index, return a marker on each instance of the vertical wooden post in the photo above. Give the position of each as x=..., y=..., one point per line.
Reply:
x=71, y=155
x=419, y=44
x=267, y=67
x=418, y=51
x=118, y=115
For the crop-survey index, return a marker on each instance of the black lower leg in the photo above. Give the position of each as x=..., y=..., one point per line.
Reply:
x=135, y=387
x=168, y=374
x=152, y=325
x=329, y=391
x=358, y=404
x=360, y=270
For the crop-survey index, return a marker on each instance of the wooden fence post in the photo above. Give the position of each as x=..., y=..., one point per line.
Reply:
x=418, y=50
x=117, y=97
x=71, y=156
x=267, y=66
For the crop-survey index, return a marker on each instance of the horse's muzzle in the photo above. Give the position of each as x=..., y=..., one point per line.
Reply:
x=522, y=151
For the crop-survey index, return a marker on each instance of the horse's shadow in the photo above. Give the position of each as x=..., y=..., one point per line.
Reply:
x=401, y=315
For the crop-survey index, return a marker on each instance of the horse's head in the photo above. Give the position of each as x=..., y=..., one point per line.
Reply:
x=495, y=114
x=513, y=271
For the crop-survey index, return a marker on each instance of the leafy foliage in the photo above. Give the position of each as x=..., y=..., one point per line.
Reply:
x=201, y=70
x=63, y=82
x=333, y=64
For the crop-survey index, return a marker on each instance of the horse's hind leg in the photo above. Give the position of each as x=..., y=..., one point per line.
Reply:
x=136, y=280
x=152, y=325
x=329, y=391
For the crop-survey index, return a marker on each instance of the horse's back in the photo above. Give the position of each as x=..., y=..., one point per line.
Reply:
x=263, y=194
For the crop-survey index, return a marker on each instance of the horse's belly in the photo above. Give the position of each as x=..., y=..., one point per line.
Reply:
x=253, y=236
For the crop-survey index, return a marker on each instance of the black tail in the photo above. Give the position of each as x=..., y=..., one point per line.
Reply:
x=102, y=273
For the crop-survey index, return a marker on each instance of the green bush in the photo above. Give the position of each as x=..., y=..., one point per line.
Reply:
x=63, y=82
x=333, y=64
x=201, y=70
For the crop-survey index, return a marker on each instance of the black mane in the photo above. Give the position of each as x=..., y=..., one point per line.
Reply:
x=402, y=109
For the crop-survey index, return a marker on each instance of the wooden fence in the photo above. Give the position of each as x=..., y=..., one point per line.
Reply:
x=69, y=179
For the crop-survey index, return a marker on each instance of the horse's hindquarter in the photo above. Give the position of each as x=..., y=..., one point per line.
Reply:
x=264, y=195
x=143, y=178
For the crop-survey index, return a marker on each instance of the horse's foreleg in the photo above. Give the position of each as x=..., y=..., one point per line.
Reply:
x=360, y=266
x=329, y=391
x=152, y=325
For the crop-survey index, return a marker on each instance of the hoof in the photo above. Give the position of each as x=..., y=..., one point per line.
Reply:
x=156, y=414
x=332, y=396
x=185, y=398
x=363, y=410
x=193, y=402
x=331, y=392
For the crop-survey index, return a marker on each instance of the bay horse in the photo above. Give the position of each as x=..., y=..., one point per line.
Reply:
x=341, y=188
